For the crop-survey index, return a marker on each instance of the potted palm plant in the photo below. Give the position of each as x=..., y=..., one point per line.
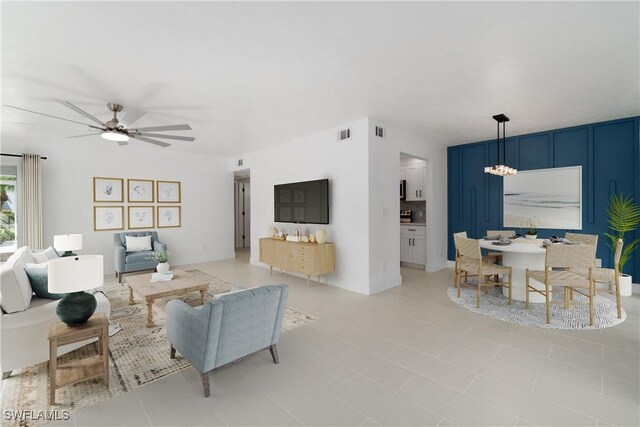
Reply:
x=624, y=217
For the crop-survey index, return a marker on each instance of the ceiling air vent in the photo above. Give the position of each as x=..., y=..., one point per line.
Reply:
x=380, y=131
x=344, y=134
x=240, y=162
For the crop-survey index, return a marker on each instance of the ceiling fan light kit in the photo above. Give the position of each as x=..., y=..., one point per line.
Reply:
x=501, y=169
x=113, y=130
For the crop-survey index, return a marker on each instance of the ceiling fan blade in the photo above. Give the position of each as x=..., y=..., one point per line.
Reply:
x=82, y=136
x=157, y=135
x=49, y=115
x=121, y=143
x=161, y=128
x=133, y=115
x=80, y=111
x=151, y=141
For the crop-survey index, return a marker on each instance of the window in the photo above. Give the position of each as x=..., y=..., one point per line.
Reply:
x=9, y=205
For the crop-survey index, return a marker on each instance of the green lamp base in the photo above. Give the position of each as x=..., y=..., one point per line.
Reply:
x=76, y=308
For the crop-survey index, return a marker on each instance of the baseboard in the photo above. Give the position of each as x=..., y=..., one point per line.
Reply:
x=635, y=288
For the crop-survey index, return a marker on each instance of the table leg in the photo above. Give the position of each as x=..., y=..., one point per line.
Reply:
x=53, y=366
x=271, y=270
x=105, y=353
x=203, y=292
x=131, y=301
x=149, y=313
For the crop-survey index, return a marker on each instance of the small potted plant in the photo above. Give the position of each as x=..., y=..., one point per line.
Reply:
x=532, y=230
x=624, y=217
x=162, y=258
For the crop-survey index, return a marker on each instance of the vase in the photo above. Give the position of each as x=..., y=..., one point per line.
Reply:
x=625, y=285
x=321, y=236
x=531, y=236
x=272, y=232
x=163, y=268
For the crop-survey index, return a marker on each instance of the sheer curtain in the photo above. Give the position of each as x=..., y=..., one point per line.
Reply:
x=30, y=202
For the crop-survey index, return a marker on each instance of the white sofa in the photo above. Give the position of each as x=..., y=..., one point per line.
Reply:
x=25, y=318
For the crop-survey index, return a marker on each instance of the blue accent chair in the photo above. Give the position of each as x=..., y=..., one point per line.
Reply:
x=227, y=328
x=128, y=262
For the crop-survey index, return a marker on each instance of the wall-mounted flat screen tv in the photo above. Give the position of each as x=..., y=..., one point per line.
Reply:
x=302, y=202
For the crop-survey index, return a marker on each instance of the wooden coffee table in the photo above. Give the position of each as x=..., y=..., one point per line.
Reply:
x=182, y=283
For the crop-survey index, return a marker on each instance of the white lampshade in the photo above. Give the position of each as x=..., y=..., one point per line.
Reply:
x=75, y=273
x=67, y=242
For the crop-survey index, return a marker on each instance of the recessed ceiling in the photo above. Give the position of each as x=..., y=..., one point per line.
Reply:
x=249, y=75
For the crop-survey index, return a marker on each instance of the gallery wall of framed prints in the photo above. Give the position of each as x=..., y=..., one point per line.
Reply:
x=142, y=213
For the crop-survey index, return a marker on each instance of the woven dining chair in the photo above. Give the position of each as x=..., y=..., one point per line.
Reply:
x=471, y=263
x=608, y=276
x=559, y=261
x=585, y=239
x=457, y=254
x=497, y=256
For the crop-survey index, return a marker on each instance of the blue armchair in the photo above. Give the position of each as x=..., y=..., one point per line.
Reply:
x=127, y=262
x=227, y=328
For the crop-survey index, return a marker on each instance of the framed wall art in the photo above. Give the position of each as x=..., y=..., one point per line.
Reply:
x=108, y=218
x=108, y=189
x=169, y=216
x=168, y=191
x=141, y=217
x=140, y=190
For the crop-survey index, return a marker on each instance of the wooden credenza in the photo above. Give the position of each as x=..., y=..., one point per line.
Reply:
x=310, y=259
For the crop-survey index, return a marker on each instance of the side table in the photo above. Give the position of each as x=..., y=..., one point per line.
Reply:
x=78, y=370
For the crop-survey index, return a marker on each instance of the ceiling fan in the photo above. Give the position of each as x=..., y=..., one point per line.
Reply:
x=113, y=130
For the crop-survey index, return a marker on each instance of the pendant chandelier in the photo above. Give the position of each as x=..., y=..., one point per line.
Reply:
x=501, y=169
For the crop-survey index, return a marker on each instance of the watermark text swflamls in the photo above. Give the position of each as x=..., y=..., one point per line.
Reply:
x=30, y=415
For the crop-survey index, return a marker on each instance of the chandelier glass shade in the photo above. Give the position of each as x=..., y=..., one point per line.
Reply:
x=501, y=169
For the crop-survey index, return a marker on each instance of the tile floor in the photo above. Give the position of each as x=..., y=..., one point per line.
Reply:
x=407, y=356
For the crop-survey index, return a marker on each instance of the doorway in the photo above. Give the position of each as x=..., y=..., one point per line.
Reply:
x=242, y=213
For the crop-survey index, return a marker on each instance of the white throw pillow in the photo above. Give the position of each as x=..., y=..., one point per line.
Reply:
x=46, y=255
x=137, y=244
x=15, y=287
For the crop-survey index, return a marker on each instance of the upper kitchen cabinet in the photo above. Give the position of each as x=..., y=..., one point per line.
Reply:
x=415, y=176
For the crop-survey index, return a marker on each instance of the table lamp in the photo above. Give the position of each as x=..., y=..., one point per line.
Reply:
x=67, y=243
x=74, y=275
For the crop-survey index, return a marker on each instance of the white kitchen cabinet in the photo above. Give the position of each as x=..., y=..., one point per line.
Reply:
x=415, y=176
x=413, y=244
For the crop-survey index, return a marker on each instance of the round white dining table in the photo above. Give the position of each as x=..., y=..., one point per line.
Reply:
x=521, y=254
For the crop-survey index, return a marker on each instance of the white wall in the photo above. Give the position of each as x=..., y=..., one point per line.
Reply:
x=313, y=157
x=207, y=195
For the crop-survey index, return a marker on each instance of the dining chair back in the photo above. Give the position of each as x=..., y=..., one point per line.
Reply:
x=469, y=248
x=570, y=256
x=587, y=239
x=502, y=233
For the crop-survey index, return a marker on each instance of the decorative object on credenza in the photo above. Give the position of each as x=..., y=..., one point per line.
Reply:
x=67, y=243
x=553, y=196
x=272, y=232
x=169, y=216
x=108, y=218
x=623, y=217
x=312, y=238
x=501, y=169
x=108, y=189
x=74, y=275
x=162, y=258
x=321, y=236
x=168, y=191
x=141, y=217
x=113, y=130
x=140, y=190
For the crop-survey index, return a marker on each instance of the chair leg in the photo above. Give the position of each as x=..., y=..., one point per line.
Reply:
x=120, y=278
x=274, y=354
x=458, y=278
x=478, y=291
x=486, y=285
x=547, y=302
x=6, y=375
x=510, y=278
x=566, y=298
x=172, y=353
x=591, y=293
x=205, y=384
x=526, y=289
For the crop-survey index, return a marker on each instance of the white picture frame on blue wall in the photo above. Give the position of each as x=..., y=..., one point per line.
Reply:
x=553, y=197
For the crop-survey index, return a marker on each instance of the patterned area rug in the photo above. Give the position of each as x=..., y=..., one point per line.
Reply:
x=575, y=317
x=138, y=356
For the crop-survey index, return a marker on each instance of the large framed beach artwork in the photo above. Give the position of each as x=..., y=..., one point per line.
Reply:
x=552, y=197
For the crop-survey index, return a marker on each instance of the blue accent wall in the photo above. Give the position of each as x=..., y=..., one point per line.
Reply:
x=609, y=153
